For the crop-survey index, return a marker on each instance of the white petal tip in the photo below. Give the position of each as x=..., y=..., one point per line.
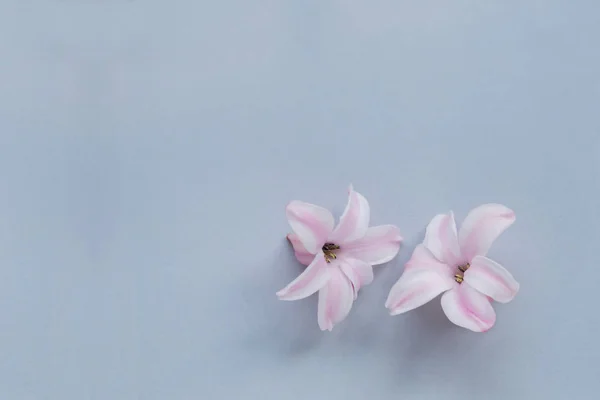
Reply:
x=327, y=328
x=474, y=329
x=511, y=298
x=509, y=215
x=393, y=309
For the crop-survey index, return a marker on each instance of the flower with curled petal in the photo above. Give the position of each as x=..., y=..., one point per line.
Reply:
x=456, y=264
x=340, y=259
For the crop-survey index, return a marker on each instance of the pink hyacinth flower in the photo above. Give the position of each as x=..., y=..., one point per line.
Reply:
x=456, y=264
x=340, y=259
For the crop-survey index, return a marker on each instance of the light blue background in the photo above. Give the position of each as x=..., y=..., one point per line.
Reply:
x=148, y=149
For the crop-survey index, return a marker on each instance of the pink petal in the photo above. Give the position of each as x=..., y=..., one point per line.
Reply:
x=415, y=288
x=466, y=307
x=303, y=255
x=335, y=300
x=354, y=221
x=441, y=239
x=314, y=277
x=482, y=226
x=423, y=259
x=491, y=279
x=378, y=246
x=311, y=223
x=358, y=272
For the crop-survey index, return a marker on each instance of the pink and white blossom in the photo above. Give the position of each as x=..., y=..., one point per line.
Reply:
x=455, y=263
x=340, y=258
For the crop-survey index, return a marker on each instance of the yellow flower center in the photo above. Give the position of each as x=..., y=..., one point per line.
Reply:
x=329, y=251
x=460, y=276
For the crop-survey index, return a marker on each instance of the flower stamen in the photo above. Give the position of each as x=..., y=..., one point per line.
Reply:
x=460, y=276
x=329, y=251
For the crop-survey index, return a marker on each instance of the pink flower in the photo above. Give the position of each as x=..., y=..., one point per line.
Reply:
x=339, y=259
x=456, y=264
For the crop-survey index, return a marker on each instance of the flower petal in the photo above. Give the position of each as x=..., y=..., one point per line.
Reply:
x=311, y=223
x=335, y=300
x=358, y=272
x=379, y=245
x=491, y=279
x=482, y=226
x=423, y=259
x=303, y=255
x=466, y=307
x=354, y=221
x=415, y=288
x=314, y=277
x=441, y=239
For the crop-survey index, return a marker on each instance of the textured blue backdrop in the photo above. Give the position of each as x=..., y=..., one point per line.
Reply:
x=148, y=149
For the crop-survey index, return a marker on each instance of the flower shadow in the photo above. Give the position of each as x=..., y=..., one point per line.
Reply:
x=369, y=318
x=409, y=342
x=425, y=334
x=435, y=350
x=282, y=327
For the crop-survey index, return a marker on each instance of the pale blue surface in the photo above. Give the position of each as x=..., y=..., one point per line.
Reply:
x=148, y=149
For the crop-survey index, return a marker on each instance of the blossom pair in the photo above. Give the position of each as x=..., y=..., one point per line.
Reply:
x=340, y=262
